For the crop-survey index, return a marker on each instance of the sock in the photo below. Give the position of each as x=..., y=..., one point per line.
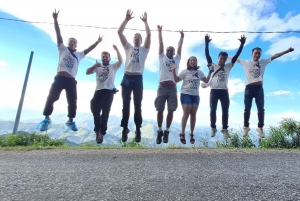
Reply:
x=159, y=128
x=167, y=129
x=70, y=119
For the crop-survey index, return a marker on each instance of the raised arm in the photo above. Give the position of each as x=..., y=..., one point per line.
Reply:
x=120, y=60
x=230, y=58
x=160, y=40
x=122, y=27
x=207, y=78
x=208, y=58
x=173, y=68
x=86, y=51
x=57, y=30
x=91, y=69
x=147, y=29
x=275, y=56
x=237, y=54
x=180, y=43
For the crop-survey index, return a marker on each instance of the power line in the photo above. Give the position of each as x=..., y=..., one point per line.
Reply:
x=87, y=26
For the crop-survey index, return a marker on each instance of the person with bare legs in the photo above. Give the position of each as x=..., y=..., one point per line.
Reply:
x=104, y=93
x=132, y=81
x=167, y=90
x=189, y=96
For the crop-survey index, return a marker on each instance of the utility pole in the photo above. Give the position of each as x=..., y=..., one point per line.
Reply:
x=16, y=125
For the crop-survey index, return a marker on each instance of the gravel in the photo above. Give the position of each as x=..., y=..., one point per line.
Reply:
x=150, y=174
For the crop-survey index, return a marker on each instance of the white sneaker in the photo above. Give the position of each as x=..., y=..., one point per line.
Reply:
x=260, y=132
x=246, y=131
x=213, y=132
x=225, y=133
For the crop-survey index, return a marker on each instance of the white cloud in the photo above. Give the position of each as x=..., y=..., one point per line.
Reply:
x=279, y=93
x=3, y=63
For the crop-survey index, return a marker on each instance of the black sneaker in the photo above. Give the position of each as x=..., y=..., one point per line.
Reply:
x=166, y=136
x=124, y=134
x=138, y=136
x=159, y=135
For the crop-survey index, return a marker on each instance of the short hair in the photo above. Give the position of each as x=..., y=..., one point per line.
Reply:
x=139, y=35
x=72, y=38
x=223, y=54
x=170, y=47
x=105, y=52
x=189, y=67
x=256, y=48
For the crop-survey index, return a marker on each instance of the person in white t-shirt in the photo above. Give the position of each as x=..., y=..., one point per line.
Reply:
x=133, y=76
x=69, y=59
x=218, y=85
x=167, y=90
x=104, y=93
x=189, y=96
x=254, y=71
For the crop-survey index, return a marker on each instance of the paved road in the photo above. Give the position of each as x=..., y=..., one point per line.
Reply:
x=150, y=174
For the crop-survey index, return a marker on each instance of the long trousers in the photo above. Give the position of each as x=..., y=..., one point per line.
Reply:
x=223, y=96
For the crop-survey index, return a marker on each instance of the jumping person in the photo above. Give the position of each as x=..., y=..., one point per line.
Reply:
x=104, y=94
x=254, y=71
x=167, y=90
x=69, y=59
x=133, y=76
x=219, y=85
x=189, y=96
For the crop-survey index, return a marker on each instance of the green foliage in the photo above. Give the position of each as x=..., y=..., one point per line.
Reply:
x=29, y=139
x=132, y=144
x=236, y=141
x=247, y=143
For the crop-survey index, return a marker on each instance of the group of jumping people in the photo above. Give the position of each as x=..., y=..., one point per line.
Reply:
x=132, y=83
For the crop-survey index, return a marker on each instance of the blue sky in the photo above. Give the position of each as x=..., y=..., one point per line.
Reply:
x=18, y=39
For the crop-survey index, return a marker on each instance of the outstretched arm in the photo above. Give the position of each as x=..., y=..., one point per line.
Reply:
x=148, y=32
x=208, y=58
x=237, y=54
x=86, y=51
x=173, y=68
x=57, y=30
x=180, y=43
x=275, y=56
x=160, y=40
x=122, y=27
x=206, y=79
x=120, y=60
x=91, y=69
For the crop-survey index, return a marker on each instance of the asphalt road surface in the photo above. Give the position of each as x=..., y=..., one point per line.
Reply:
x=150, y=174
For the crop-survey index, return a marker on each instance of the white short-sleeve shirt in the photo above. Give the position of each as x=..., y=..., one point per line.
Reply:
x=190, y=81
x=165, y=72
x=105, y=76
x=67, y=62
x=220, y=80
x=254, y=70
x=135, y=58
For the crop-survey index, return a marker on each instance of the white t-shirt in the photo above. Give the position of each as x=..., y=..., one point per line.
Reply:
x=135, y=58
x=105, y=76
x=67, y=62
x=190, y=81
x=165, y=72
x=220, y=80
x=254, y=70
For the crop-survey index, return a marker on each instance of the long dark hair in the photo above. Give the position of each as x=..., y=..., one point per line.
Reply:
x=192, y=68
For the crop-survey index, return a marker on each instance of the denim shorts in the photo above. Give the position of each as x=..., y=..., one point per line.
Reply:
x=189, y=99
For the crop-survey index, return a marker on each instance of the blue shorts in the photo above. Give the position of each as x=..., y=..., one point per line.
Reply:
x=186, y=99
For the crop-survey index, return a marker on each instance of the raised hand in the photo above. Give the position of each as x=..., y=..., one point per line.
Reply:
x=115, y=47
x=159, y=28
x=97, y=64
x=291, y=49
x=144, y=17
x=181, y=33
x=207, y=39
x=100, y=38
x=243, y=39
x=55, y=14
x=129, y=15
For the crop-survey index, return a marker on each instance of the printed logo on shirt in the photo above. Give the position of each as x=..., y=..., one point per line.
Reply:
x=221, y=76
x=135, y=55
x=103, y=74
x=255, y=73
x=168, y=64
x=193, y=82
x=69, y=61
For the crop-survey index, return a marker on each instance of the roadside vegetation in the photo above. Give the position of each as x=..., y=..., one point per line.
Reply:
x=284, y=136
